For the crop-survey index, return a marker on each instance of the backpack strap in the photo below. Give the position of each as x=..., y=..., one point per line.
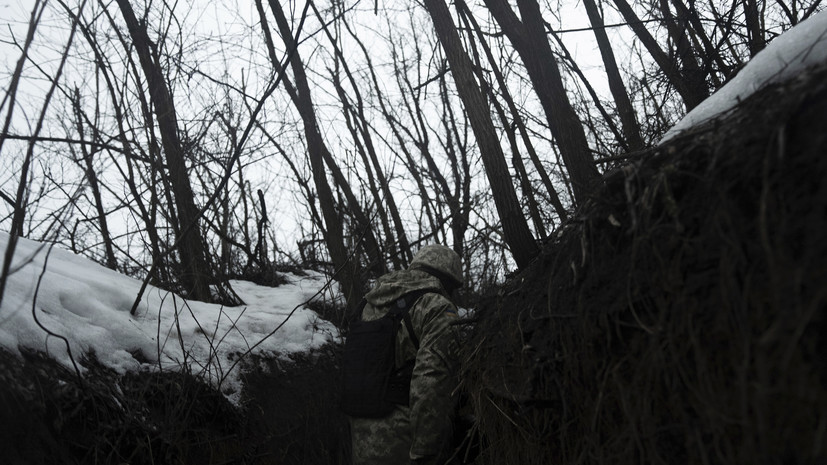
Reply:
x=403, y=306
x=411, y=333
x=361, y=307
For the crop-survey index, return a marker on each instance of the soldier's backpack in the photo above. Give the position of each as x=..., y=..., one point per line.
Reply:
x=372, y=385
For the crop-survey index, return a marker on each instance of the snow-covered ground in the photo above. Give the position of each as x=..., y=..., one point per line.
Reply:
x=89, y=306
x=801, y=47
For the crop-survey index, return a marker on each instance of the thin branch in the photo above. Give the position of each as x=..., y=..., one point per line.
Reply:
x=34, y=139
x=49, y=332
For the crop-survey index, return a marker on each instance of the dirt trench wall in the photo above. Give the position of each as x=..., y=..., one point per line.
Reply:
x=289, y=414
x=680, y=318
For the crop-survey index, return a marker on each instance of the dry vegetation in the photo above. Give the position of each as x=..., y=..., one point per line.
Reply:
x=681, y=317
x=289, y=415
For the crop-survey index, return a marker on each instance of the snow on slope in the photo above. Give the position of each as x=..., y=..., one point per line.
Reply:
x=801, y=47
x=89, y=305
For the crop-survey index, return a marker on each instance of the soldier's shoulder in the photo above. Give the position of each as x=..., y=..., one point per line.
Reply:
x=436, y=303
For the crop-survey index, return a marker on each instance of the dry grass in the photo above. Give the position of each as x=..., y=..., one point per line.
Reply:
x=50, y=417
x=681, y=317
x=291, y=415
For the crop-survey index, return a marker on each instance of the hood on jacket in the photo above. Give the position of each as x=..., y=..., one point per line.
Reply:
x=441, y=261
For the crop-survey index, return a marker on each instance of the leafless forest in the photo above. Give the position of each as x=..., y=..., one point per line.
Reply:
x=190, y=142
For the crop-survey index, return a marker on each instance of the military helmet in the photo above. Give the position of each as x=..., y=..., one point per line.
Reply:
x=439, y=260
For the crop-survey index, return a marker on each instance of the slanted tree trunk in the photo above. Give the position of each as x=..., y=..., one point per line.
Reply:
x=554, y=197
x=457, y=152
x=359, y=128
x=631, y=129
x=405, y=156
x=692, y=93
x=302, y=99
x=515, y=228
x=196, y=268
x=711, y=53
x=529, y=39
x=695, y=76
x=349, y=273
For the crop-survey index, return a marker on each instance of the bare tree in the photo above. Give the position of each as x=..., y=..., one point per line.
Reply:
x=400, y=131
x=520, y=241
x=692, y=91
x=631, y=130
x=456, y=146
x=517, y=119
x=359, y=127
x=529, y=39
x=348, y=271
x=190, y=244
x=9, y=98
x=128, y=157
x=92, y=178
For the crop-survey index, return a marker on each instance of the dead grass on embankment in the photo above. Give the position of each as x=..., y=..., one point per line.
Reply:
x=680, y=317
x=290, y=414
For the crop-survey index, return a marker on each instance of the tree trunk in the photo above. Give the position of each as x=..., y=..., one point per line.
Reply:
x=631, y=129
x=458, y=199
x=710, y=50
x=302, y=99
x=348, y=272
x=360, y=127
x=756, y=35
x=554, y=197
x=529, y=39
x=691, y=70
x=147, y=215
x=196, y=269
x=261, y=244
x=691, y=93
x=405, y=157
x=515, y=229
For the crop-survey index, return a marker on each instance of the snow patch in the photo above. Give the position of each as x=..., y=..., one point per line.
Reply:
x=797, y=49
x=89, y=305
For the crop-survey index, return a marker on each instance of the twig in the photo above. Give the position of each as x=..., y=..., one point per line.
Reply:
x=233, y=326
x=66, y=140
x=158, y=335
x=178, y=330
x=50, y=333
x=213, y=350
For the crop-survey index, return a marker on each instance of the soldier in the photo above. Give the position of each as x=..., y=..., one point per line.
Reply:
x=421, y=432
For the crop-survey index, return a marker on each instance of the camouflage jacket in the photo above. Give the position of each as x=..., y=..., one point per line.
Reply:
x=424, y=428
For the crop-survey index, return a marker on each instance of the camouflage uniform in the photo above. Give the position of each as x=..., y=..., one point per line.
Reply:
x=422, y=430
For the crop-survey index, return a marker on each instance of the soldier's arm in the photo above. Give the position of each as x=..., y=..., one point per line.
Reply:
x=434, y=377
